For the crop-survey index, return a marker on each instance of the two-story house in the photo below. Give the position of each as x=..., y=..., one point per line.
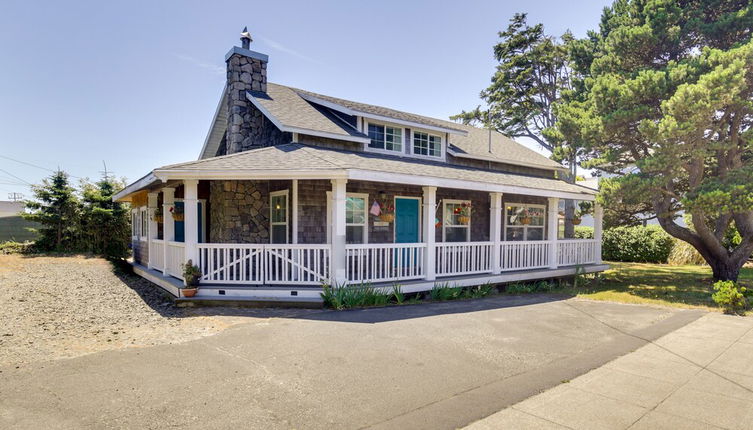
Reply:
x=293, y=189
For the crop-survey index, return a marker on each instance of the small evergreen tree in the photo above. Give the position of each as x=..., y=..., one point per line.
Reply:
x=105, y=223
x=56, y=208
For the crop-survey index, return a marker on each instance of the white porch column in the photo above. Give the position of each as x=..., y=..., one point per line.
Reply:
x=294, y=212
x=168, y=226
x=151, y=205
x=598, y=220
x=337, y=269
x=191, y=219
x=429, y=233
x=552, y=228
x=495, y=231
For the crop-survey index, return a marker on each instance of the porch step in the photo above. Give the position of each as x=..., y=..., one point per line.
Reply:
x=251, y=302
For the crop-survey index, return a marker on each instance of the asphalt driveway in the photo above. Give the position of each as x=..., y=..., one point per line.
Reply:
x=432, y=366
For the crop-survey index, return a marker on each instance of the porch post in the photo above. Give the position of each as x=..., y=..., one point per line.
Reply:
x=168, y=226
x=552, y=228
x=598, y=220
x=191, y=218
x=337, y=269
x=151, y=205
x=430, y=205
x=495, y=231
x=294, y=212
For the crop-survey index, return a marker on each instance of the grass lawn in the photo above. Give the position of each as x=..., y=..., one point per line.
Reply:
x=660, y=284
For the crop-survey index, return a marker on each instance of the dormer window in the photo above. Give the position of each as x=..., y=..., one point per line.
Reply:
x=427, y=144
x=385, y=137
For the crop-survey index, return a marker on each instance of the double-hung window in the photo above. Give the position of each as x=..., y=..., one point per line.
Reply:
x=524, y=221
x=427, y=144
x=144, y=223
x=385, y=137
x=135, y=223
x=356, y=218
x=278, y=216
x=457, y=221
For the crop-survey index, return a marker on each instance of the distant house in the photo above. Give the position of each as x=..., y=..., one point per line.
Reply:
x=12, y=226
x=293, y=189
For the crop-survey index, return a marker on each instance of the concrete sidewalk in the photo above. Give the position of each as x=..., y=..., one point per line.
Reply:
x=697, y=377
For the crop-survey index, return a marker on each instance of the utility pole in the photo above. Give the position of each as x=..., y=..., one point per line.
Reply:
x=15, y=197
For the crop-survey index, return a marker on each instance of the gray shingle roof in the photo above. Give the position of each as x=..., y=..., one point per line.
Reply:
x=287, y=105
x=297, y=157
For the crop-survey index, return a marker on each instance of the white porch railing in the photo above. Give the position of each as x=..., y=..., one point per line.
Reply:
x=384, y=262
x=463, y=258
x=175, y=258
x=157, y=254
x=264, y=264
x=576, y=251
x=522, y=255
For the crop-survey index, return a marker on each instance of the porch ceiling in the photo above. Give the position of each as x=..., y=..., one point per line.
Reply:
x=298, y=161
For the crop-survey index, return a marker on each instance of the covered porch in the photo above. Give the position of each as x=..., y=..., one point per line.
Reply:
x=287, y=237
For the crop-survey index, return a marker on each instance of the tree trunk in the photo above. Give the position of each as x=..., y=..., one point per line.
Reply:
x=727, y=270
x=569, y=215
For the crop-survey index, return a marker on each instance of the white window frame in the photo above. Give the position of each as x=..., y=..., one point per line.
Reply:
x=143, y=223
x=444, y=219
x=385, y=150
x=366, y=208
x=273, y=194
x=524, y=227
x=412, y=149
x=135, y=224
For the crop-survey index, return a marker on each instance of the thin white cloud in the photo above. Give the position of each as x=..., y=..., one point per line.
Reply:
x=282, y=48
x=214, y=68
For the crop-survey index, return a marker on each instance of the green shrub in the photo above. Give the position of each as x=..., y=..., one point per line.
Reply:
x=350, y=296
x=530, y=287
x=11, y=247
x=584, y=232
x=730, y=297
x=683, y=254
x=639, y=244
x=445, y=292
x=397, y=294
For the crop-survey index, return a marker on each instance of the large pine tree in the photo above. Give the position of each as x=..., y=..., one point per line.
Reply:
x=56, y=208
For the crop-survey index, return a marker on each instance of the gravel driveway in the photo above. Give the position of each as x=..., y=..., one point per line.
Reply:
x=63, y=307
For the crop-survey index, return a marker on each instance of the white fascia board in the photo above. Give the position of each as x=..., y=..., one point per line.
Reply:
x=503, y=161
x=432, y=181
x=214, y=122
x=353, y=112
x=180, y=174
x=300, y=130
x=136, y=186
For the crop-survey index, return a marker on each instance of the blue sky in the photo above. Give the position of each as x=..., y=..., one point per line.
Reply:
x=135, y=83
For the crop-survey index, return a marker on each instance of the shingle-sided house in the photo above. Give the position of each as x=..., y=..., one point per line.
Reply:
x=294, y=189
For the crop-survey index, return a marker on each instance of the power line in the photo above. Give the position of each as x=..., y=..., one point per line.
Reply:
x=35, y=165
x=11, y=174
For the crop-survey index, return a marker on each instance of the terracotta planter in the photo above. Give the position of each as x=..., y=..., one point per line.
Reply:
x=387, y=217
x=576, y=221
x=178, y=217
x=189, y=292
x=462, y=219
x=525, y=220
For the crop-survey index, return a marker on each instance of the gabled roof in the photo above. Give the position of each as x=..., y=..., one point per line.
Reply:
x=303, y=161
x=298, y=111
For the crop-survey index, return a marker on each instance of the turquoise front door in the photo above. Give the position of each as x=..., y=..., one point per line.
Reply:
x=406, y=220
x=180, y=226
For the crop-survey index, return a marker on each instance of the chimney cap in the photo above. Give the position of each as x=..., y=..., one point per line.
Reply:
x=246, y=38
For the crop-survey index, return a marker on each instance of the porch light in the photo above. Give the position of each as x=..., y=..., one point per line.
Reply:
x=382, y=195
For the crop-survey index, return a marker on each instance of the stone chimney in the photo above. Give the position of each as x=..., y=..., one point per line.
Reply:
x=246, y=71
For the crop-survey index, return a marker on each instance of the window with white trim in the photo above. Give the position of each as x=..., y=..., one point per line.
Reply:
x=427, y=144
x=385, y=137
x=356, y=218
x=524, y=221
x=144, y=216
x=278, y=216
x=456, y=225
x=135, y=223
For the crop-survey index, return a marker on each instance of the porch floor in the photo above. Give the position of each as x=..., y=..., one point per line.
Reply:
x=280, y=295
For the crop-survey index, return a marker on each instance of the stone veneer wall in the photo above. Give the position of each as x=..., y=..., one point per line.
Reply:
x=239, y=210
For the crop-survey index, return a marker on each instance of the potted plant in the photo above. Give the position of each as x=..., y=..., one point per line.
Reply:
x=157, y=215
x=177, y=212
x=191, y=276
x=525, y=218
x=464, y=213
x=584, y=208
